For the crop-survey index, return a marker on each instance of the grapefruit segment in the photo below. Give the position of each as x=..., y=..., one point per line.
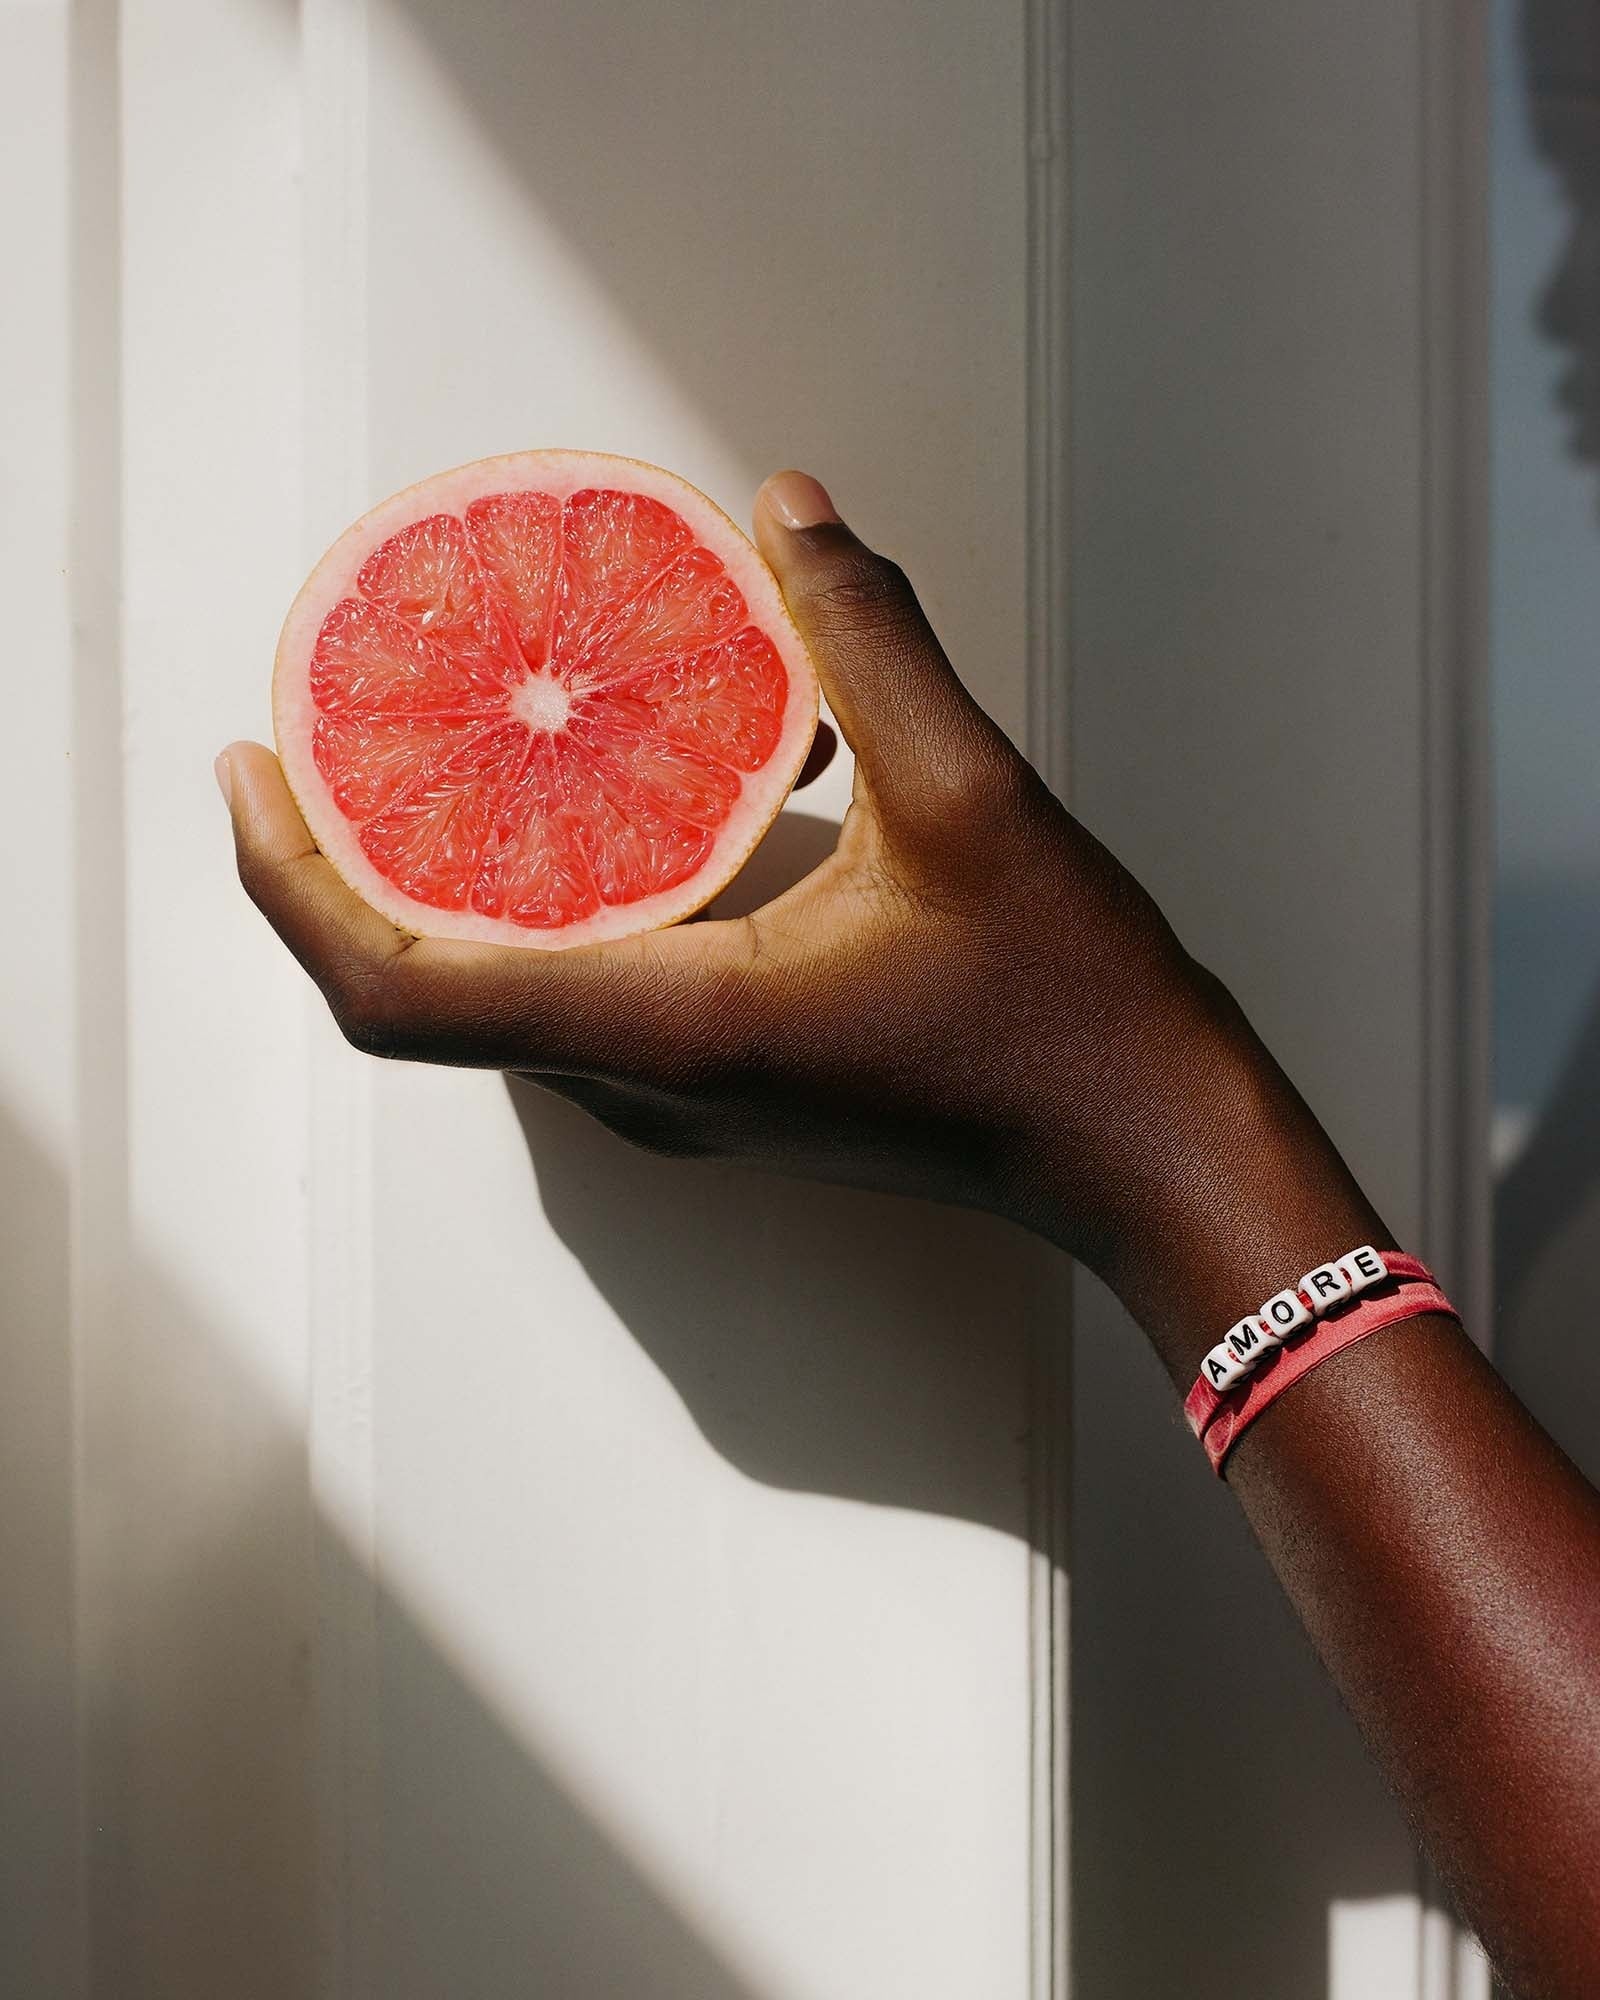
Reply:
x=690, y=604
x=368, y=761
x=367, y=661
x=726, y=700
x=430, y=840
x=535, y=871
x=634, y=847
x=668, y=777
x=429, y=577
x=541, y=700
x=612, y=543
x=517, y=539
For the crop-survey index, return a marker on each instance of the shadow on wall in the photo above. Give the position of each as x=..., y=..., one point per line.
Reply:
x=200, y=1715
x=1547, y=1211
x=815, y=1335
x=849, y=1353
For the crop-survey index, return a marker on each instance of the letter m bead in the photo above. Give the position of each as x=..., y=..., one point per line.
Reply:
x=1247, y=1341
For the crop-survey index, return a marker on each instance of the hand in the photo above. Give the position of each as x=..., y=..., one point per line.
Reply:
x=970, y=999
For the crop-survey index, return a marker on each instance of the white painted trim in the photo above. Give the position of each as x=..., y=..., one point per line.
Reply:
x=1049, y=1457
x=340, y=1307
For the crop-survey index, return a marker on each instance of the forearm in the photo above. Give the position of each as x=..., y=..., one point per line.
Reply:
x=1445, y=1559
x=1442, y=1554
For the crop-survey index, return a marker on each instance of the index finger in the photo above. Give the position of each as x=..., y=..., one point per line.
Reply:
x=662, y=1002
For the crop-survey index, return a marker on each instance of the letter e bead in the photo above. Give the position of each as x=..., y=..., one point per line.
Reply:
x=1364, y=1268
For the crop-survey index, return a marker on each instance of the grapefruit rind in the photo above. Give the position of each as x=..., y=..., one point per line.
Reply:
x=560, y=475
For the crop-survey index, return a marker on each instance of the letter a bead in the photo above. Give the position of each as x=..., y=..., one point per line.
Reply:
x=1222, y=1367
x=1324, y=1287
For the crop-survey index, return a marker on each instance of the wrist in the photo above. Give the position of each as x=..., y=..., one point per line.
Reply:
x=1262, y=1197
x=1225, y=1190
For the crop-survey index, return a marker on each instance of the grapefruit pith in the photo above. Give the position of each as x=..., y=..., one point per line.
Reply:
x=541, y=700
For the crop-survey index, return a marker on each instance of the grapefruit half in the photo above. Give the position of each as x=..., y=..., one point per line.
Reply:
x=541, y=700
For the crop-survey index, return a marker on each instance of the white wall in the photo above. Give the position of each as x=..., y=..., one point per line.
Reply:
x=485, y=1560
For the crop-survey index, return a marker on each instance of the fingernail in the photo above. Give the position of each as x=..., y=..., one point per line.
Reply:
x=798, y=500
x=224, y=771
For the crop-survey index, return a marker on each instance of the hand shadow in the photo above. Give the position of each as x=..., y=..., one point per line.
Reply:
x=823, y=1339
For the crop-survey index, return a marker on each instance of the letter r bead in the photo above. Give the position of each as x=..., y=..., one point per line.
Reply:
x=1324, y=1287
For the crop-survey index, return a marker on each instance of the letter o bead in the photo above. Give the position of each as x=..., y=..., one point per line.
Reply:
x=1284, y=1312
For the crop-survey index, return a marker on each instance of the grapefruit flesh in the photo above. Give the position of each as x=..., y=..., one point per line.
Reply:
x=541, y=700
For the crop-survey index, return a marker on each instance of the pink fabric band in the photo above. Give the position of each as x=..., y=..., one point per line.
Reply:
x=1220, y=1418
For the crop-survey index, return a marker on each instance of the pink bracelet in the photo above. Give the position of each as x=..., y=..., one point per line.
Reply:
x=1333, y=1306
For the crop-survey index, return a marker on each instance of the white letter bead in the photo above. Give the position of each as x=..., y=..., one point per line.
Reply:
x=1283, y=1312
x=1324, y=1287
x=1364, y=1268
x=1247, y=1341
x=1222, y=1367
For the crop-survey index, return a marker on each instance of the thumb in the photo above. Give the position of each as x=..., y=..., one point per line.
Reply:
x=911, y=724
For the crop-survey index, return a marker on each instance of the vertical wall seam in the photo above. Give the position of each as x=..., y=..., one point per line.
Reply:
x=98, y=1168
x=1456, y=822
x=341, y=1469
x=1047, y=49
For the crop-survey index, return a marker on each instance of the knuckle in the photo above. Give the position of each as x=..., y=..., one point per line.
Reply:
x=977, y=781
x=1003, y=783
x=870, y=594
x=365, y=1014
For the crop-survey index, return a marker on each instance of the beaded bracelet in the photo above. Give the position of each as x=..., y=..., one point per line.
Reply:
x=1332, y=1306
